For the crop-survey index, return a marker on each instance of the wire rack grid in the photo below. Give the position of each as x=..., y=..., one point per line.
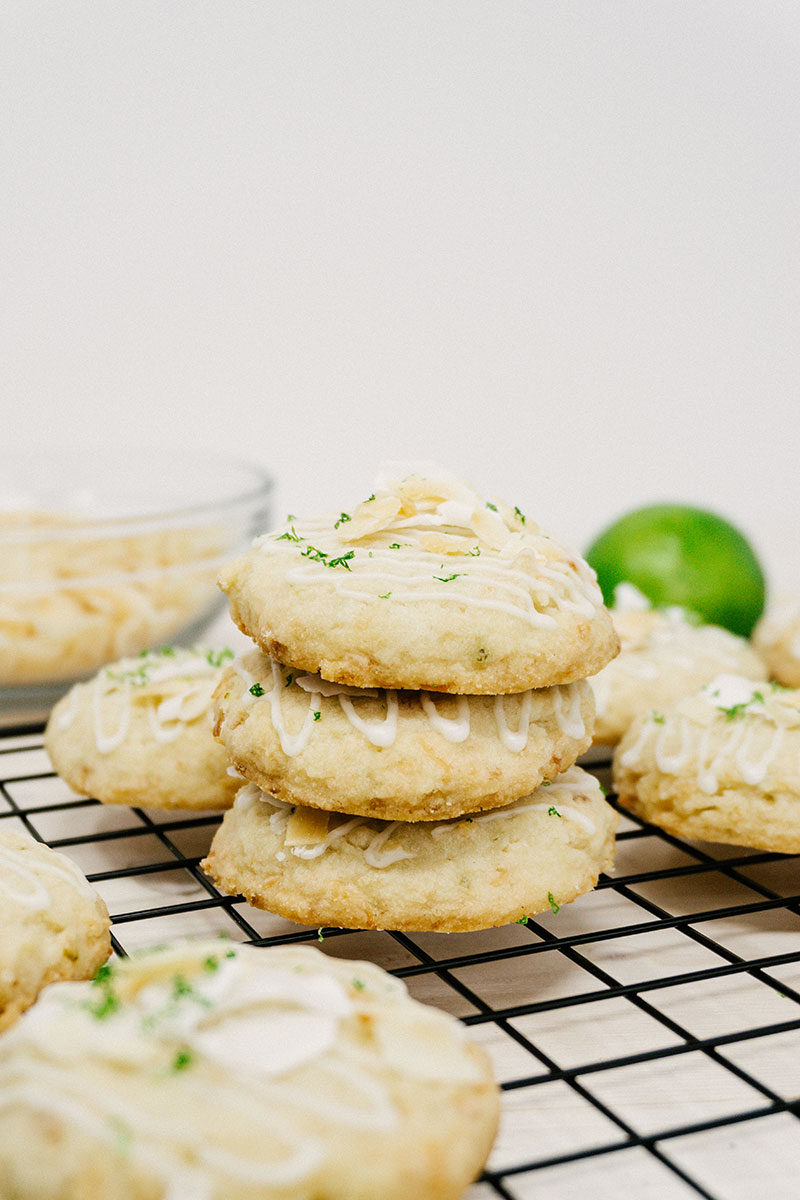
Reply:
x=645, y=1037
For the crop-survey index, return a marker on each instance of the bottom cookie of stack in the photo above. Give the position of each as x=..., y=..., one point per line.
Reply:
x=471, y=872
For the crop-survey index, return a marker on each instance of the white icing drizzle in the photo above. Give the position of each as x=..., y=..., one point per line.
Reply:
x=291, y=744
x=378, y=1112
x=571, y=722
x=575, y=601
x=258, y=1026
x=106, y=742
x=250, y=794
x=410, y=511
x=377, y=856
x=516, y=739
x=455, y=729
x=727, y=691
x=674, y=761
x=708, y=771
x=20, y=881
x=28, y=890
x=633, y=754
x=339, y=831
x=150, y=1138
x=379, y=733
x=383, y=731
x=324, y=687
x=739, y=716
x=562, y=810
x=427, y=566
x=166, y=718
x=754, y=770
x=45, y=1090
x=570, y=784
x=282, y=811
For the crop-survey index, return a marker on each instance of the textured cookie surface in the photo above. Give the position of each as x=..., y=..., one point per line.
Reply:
x=396, y=755
x=777, y=639
x=723, y=765
x=663, y=657
x=423, y=586
x=140, y=733
x=465, y=873
x=214, y=1072
x=54, y=925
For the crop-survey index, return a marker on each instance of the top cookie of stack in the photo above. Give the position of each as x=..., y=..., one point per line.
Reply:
x=424, y=586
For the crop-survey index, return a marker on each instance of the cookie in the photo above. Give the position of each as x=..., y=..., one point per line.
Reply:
x=663, y=656
x=139, y=733
x=467, y=873
x=722, y=765
x=423, y=586
x=777, y=639
x=54, y=925
x=396, y=755
x=214, y=1071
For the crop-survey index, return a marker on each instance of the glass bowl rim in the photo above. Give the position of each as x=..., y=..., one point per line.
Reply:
x=255, y=488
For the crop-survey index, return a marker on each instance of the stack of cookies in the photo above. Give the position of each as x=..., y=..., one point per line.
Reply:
x=408, y=727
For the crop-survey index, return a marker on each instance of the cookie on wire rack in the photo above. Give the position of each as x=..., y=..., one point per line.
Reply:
x=139, y=733
x=54, y=925
x=214, y=1071
x=426, y=586
x=722, y=765
x=470, y=872
x=664, y=655
x=397, y=755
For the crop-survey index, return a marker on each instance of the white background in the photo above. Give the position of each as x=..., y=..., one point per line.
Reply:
x=551, y=244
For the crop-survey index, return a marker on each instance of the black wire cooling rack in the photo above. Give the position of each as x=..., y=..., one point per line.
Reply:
x=646, y=1037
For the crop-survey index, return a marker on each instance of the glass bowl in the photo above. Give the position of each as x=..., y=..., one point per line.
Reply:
x=107, y=555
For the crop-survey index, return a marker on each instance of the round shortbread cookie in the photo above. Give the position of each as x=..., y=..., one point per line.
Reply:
x=467, y=873
x=140, y=733
x=722, y=765
x=423, y=586
x=263, y=1074
x=54, y=925
x=401, y=756
x=663, y=657
x=777, y=639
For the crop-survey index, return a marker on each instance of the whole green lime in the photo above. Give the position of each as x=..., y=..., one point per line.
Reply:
x=675, y=554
